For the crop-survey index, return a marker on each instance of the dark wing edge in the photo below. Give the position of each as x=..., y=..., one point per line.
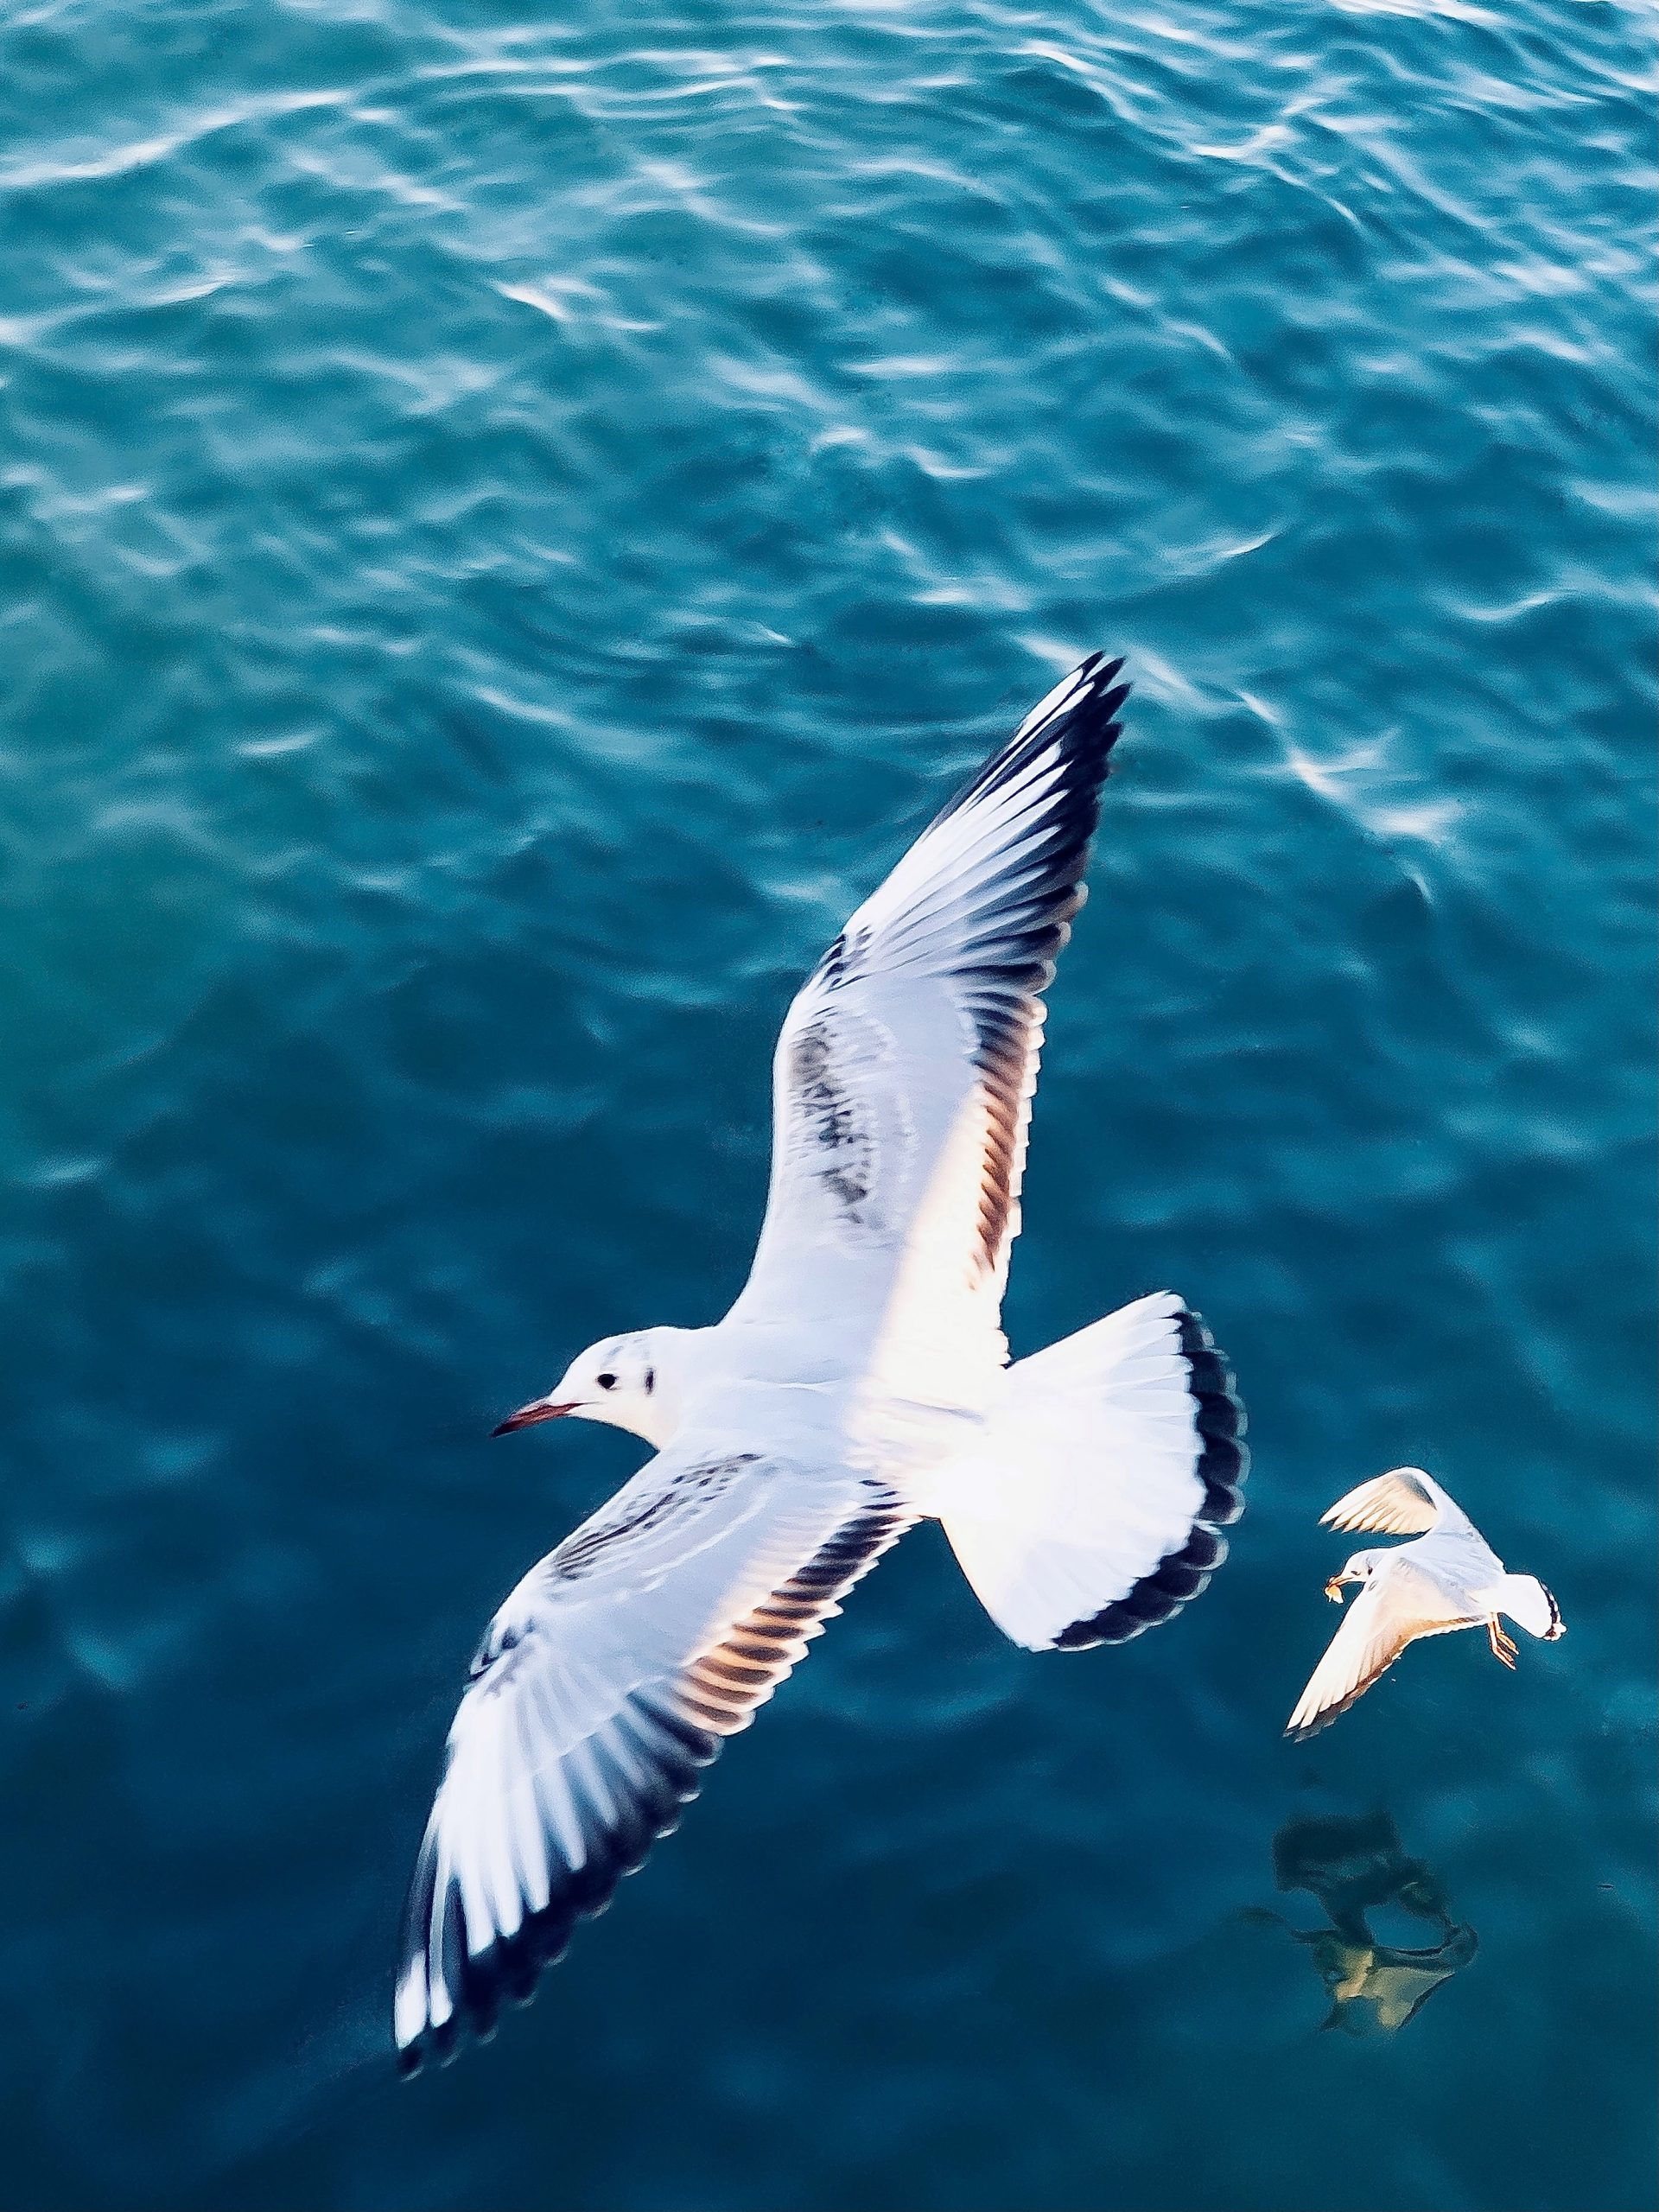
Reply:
x=1017, y=943
x=581, y=1821
x=1224, y=1462
x=980, y=904
x=1017, y=934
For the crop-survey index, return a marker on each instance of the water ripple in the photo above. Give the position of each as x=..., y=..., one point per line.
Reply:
x=504, y=528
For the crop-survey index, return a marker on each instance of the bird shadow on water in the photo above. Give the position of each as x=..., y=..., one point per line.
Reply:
x=1356, y=1867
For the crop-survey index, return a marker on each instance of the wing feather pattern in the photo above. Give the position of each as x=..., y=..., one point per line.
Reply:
x=1403, y=1502
x=602, y=1688
x=1400, y=1605
x=904, y=1074
x=902, y=1089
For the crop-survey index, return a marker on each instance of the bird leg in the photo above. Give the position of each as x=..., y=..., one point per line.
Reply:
x=1504, y=1646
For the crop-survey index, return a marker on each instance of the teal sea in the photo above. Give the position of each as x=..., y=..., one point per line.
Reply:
x=507, y=525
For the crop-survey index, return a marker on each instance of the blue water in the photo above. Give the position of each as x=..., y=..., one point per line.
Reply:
x=507, y=527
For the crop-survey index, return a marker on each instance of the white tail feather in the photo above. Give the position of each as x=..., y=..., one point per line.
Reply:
x=1088, y=1511
x=1526, y=1601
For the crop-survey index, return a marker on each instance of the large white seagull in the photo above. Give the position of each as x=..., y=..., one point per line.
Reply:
x=861, y=1383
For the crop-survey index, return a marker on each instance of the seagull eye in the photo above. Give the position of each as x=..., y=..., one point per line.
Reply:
x=607, y=1381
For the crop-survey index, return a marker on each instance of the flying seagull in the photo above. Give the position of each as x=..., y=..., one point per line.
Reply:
x=861, y=1383
x=1450, y=1577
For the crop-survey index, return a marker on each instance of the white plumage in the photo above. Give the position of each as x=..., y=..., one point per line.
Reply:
x=859, y=1384
x=1093, y=1453
x=1450, y=1577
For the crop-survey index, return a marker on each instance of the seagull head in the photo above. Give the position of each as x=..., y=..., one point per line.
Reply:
x=1360, y=1568
x=631, y=1382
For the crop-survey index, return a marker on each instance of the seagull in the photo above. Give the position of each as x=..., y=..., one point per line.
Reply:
x=1450, y=1577
x=861, y=1383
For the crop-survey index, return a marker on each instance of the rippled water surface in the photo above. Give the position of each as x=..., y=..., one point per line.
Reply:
x=507, y=525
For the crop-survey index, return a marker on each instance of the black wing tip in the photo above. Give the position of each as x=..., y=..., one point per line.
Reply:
x=1083, y=725
x=509, y=1971
x=1103, y=697
x=1018, y=965
x=1224, y=1462
x=1321, y=1721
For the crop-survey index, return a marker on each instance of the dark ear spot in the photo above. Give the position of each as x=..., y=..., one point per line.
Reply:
x=651, y=1380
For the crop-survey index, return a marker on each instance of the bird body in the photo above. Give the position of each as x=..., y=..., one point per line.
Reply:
x=860, y=1382
x=1449, y=1578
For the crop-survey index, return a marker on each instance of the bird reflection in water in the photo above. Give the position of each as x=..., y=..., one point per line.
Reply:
x=1355, y=1866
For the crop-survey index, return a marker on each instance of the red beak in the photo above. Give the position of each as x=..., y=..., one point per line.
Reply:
x=527, y=1416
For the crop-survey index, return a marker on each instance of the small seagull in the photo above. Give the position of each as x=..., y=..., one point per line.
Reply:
x=861, y=1383
x=1450, y=1577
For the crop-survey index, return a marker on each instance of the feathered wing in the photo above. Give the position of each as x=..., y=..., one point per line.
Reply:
x=904, y=1070
x=602, y=1687
x=1091, y=1507
x=1403, y=1502
x=1397, y=1606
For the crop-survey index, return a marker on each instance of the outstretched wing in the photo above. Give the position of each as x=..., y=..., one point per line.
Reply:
x=1403, y=1502
x=904, y=1073
x=1394, y=1609
x=601, y=1687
